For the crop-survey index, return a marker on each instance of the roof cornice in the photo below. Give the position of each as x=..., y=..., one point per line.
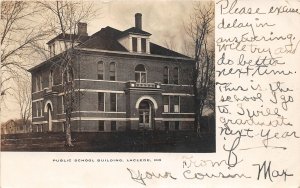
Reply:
x=135, y=54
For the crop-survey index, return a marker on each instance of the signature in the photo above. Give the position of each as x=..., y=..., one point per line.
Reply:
x=268, y=173
x=140, y=177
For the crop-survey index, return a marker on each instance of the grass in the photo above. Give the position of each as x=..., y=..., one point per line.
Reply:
x=130, y=141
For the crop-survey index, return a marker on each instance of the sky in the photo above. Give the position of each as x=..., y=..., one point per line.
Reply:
x=164, y=19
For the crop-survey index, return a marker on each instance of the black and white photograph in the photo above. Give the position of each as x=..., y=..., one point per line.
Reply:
x=109, y=76
x=149, y=93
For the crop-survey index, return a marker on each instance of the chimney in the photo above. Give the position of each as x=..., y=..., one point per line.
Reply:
x=82, y=29
x=138, y=21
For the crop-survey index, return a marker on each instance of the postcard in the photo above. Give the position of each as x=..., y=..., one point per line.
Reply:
x=160, y=93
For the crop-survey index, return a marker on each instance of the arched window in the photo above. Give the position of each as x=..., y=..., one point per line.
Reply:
x=112, y=71
x=176, y=73
x=140, y=74
x=166, y=75
x=100, y=68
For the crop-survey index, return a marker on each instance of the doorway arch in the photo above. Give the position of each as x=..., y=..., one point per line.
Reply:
x=49, y=108
x=146, y=114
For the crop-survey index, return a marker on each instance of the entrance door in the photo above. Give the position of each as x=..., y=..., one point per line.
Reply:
x=145, y=115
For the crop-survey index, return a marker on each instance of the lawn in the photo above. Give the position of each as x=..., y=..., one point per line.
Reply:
x=129, y=141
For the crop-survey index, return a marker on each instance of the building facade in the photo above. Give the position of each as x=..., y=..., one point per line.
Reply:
x=122, y=80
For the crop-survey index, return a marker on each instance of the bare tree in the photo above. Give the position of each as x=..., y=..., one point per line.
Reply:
x=18, y=34
x=200, y=29
x=22, y=94
x=17, y=38
x=66, y=16
x=169, y=43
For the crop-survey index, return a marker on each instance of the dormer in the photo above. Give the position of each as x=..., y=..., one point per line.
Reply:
x=56, y=45
x=135, y=39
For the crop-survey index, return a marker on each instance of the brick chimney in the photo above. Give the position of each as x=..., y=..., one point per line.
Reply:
x=138, y=21
x=82, y=29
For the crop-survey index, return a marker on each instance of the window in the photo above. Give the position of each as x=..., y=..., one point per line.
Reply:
x=166, y=75
x=70, y=74
x=167, y=126
x=140, y=74
x=41, y=108
x=176, y=100
x=113, y=102
x=101, y=101
x=100, y=70
x=112, y=71
x=166, y=102
x=176, y=73
x=41, y=83
x=176, y=125
x=101, y=125
x=134, y=44
x=50, y=79
x=37, y=83
x=113, y=125
x=50, y=50
x=143, y=45
x=62, y=105
x=53, y=48
x=37, y=107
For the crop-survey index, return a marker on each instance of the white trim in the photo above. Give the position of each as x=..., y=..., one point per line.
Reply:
x=46, y=103
x=100, y=112
x=36, y=92
x=58, y=120
x=91, y=80
x=100, y=91
x=146, y=97
x=178, y=94
x=37, y=117
x=101, y=118
x=175, y=119
x=36, y=100
x=178, y=113
x=114, y=119
x=97, y=112
x=177, y=85
x=39, y=122
x=96, y=91
x=133, y=54
x=139, y=36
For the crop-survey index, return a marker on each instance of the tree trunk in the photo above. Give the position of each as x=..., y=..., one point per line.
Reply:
x=68, y=134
